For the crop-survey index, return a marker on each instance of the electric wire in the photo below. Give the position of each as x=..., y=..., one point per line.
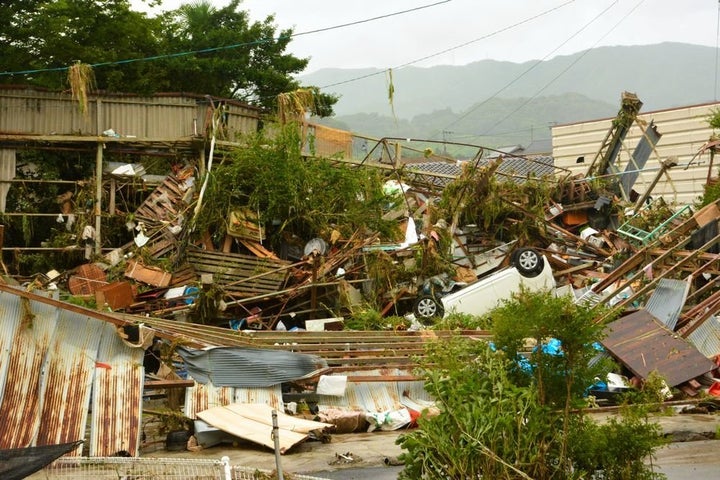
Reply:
x=450, y=49
x=565, y=70
x=528, y=70
x=229, y=47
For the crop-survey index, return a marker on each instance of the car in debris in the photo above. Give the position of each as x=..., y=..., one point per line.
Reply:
x=528, y=269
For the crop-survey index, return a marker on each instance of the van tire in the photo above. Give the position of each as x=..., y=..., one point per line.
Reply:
x=428, y=306
x=528, y=262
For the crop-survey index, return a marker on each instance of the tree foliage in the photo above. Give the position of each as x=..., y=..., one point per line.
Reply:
x=499, y=421
x=293, y=195
x=197, y=48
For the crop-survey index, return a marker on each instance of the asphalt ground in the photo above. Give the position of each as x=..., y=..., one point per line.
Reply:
x=694, y=452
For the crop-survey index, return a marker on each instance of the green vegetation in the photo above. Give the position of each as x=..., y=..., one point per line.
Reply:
x=296, y=198
x=240, y=59
x=503, y=421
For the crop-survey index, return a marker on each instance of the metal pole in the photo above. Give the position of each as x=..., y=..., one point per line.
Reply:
x=276, y=440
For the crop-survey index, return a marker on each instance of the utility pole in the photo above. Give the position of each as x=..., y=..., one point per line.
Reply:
x=445, y=134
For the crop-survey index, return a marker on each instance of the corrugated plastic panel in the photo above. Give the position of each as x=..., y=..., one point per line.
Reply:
x=684, y=131
x=117, y=396
x=706, y=337
x=23, y=366
x=667, y=301
x=201, y=397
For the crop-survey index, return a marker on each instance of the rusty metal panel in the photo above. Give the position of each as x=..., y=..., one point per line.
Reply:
x=48, y=360
x=201, y=397
x=706, y=337
x=117, y=396
x=66, y=379
x=271, y=396
x=27, y=334
x=643, y=345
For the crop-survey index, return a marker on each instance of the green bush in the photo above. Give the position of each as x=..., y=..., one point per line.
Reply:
x=499, y=421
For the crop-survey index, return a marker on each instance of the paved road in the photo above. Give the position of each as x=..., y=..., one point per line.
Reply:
x=698, y=460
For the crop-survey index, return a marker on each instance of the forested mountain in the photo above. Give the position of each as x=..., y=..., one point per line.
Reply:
x=503, y=103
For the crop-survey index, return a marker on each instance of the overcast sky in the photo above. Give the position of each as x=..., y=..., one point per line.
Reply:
x=472, y=30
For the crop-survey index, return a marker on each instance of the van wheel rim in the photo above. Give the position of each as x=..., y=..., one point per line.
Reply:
x=528, y=260
x=426, y=307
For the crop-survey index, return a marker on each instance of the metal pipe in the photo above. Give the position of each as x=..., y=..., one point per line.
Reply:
x=276, y=441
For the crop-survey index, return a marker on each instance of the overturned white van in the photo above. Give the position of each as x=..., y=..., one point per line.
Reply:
x=528, y=269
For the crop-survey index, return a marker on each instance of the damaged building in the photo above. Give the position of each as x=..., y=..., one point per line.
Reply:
x=242, y=329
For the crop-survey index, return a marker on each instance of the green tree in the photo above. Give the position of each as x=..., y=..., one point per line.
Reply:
x=48, y=36
x=197, y=48
x=236, y=58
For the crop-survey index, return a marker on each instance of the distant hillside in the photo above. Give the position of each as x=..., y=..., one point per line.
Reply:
x=429, y=101
x=494, y=123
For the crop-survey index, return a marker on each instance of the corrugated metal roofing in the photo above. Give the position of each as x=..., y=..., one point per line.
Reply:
x=706, y=337
x=644, y=345
x=49, y=358
x=201, y=397
x=117, y=396
x=667, y=301
x=247, y=367
x=375, y=396
x=517, y=169
x=36, y=111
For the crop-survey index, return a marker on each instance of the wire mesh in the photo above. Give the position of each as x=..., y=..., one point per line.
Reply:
x=153, y=469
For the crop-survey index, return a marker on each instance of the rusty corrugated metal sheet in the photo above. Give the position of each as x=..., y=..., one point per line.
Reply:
x=40, y=112
x=201, y=397
x=117, y=399
x=706, y=337
x=25, y=349
x=642, y=344
x=49, y=356
x=67, y=378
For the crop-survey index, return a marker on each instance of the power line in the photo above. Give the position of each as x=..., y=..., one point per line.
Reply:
x=532, y=67
x=456, y=47
x=229, y=47
x=572, y=64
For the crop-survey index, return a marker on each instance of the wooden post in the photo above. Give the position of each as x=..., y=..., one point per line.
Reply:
x=98, y=197
x=111, y=203
x=313, y=288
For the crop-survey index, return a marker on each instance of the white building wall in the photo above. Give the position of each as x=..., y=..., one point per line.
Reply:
x=684, y=131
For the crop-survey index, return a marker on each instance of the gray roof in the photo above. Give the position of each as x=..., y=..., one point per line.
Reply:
x=517, y=169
